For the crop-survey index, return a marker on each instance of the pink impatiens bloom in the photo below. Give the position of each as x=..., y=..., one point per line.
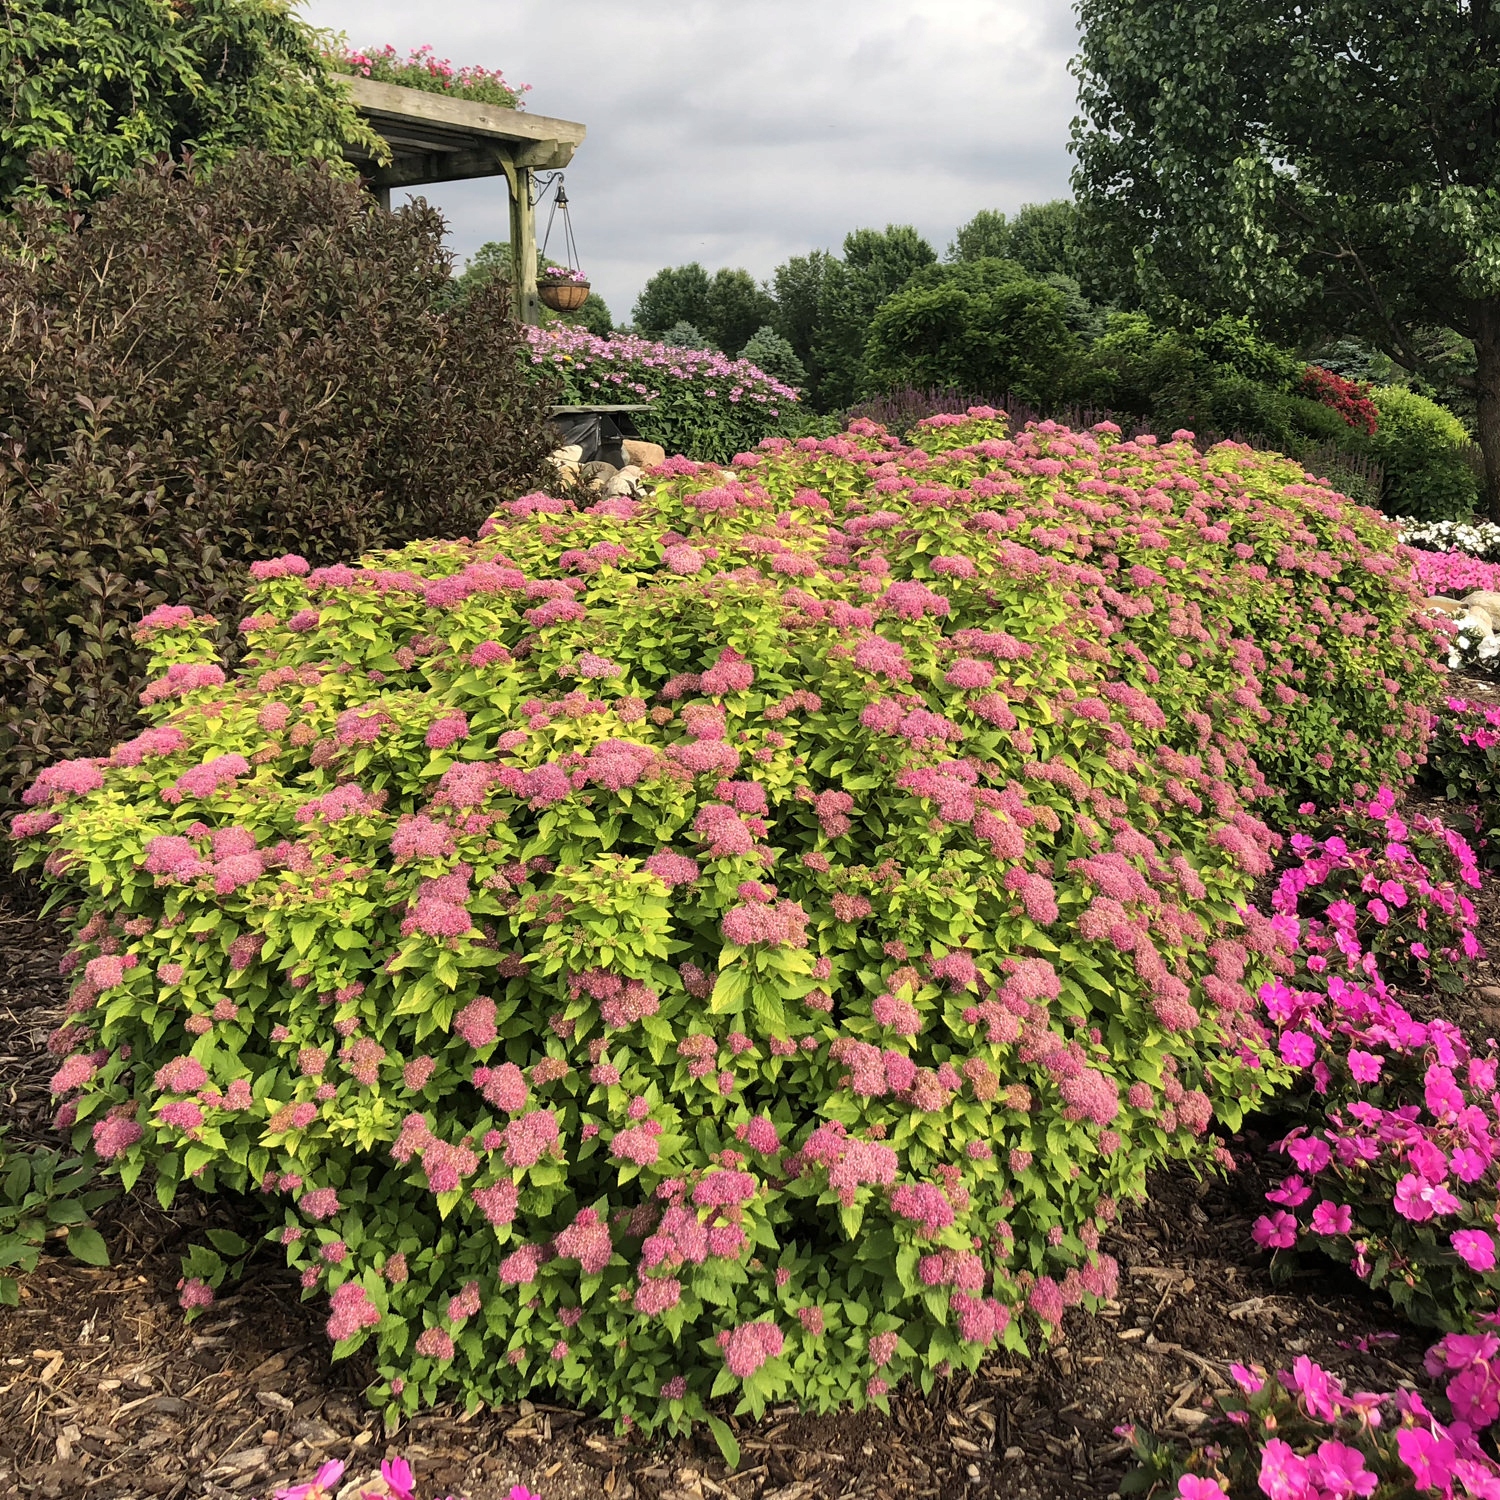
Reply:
x=1475, y=1248
x=1195, y=1487
x=1276, y=1231
x=1283, y=1475
x=1332, y=1218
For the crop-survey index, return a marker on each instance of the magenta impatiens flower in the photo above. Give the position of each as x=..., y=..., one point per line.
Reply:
x=1276, y=1231
x=1283, y=1475
x=1339, y=1472
x=1475, y=1248
x=1196, y=1487
x=323, y=1485
x=1332, y=1218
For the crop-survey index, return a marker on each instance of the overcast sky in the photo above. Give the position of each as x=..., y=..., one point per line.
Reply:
x=737, y=134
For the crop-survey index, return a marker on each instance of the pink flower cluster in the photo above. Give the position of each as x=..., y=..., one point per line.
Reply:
x=1300, y=1435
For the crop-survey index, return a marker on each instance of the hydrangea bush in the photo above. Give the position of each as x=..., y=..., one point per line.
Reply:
x=1396, y=1172
x=703, y=404
x=743, y=941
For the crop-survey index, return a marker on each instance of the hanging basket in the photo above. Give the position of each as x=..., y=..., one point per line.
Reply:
x=563, y=296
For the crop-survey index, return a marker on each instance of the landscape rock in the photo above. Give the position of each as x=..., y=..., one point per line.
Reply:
x=643, y=455
x=1483, y=602
x=597, y=473
x=626, y=482
x=571, y=455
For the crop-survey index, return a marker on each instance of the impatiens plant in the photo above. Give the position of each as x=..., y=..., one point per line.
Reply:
x=1453, y=574
x=1465, y=767
x=702, y=403
x=1479, y=539
x=742, y=941
x=1299, y=1435
x=1396, y=1172
x=393, y=1481
x=1379, y=895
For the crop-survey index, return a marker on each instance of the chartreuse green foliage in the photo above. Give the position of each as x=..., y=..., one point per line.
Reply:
x=114, y=83
x=738, y=943
x=44, y=1194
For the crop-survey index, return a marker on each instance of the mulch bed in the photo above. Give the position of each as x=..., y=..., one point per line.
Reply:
x=106, y=1393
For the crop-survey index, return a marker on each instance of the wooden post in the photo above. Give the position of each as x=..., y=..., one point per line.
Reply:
x=520, y=181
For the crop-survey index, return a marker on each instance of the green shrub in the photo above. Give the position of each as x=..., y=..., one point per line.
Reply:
x=768, y=351
x=45, y=1195
x=1423, y=448
x=104, y=85
x=207, y=369
x=742, y=941
x=980, y=324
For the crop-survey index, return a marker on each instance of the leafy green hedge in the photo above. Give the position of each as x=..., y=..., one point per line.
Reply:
x=1424, y=450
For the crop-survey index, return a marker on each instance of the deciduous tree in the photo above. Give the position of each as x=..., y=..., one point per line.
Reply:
x=112, y=83
x=1323, y=166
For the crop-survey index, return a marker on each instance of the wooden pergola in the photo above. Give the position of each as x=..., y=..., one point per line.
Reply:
x=437, y=138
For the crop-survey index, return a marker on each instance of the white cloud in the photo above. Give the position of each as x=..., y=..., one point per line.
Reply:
x=740, y=134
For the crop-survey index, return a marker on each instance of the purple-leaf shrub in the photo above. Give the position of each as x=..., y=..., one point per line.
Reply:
x=739, y=942
x=1299, y=1435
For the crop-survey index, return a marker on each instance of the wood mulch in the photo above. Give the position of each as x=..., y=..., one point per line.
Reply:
x=106, y=1393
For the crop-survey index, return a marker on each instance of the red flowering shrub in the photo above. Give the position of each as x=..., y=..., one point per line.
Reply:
x=1349, y=398
x=741, y=941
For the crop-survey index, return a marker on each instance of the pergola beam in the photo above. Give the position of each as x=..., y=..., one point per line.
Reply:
x=437, y=138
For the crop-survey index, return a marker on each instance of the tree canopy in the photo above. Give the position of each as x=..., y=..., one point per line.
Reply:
x=1322, y=166
x=876, y=263
x=726, y=307
x=108, y=84
x=980, y=325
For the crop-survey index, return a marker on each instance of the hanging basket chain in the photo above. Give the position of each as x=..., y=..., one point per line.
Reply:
x=560, y=201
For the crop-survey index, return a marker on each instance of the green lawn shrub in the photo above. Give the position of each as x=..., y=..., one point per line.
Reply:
x=1424, y=450
x=206, y=369
x=981, y=324
x=92, y=89
x=743, y=942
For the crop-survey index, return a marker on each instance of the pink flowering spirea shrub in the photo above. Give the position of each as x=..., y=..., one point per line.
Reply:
x=1300, y=1434
x=1395, y=1170
x=783, y=1008
x=703, y=403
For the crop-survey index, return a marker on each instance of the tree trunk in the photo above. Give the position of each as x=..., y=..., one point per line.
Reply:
x=1487, y=392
